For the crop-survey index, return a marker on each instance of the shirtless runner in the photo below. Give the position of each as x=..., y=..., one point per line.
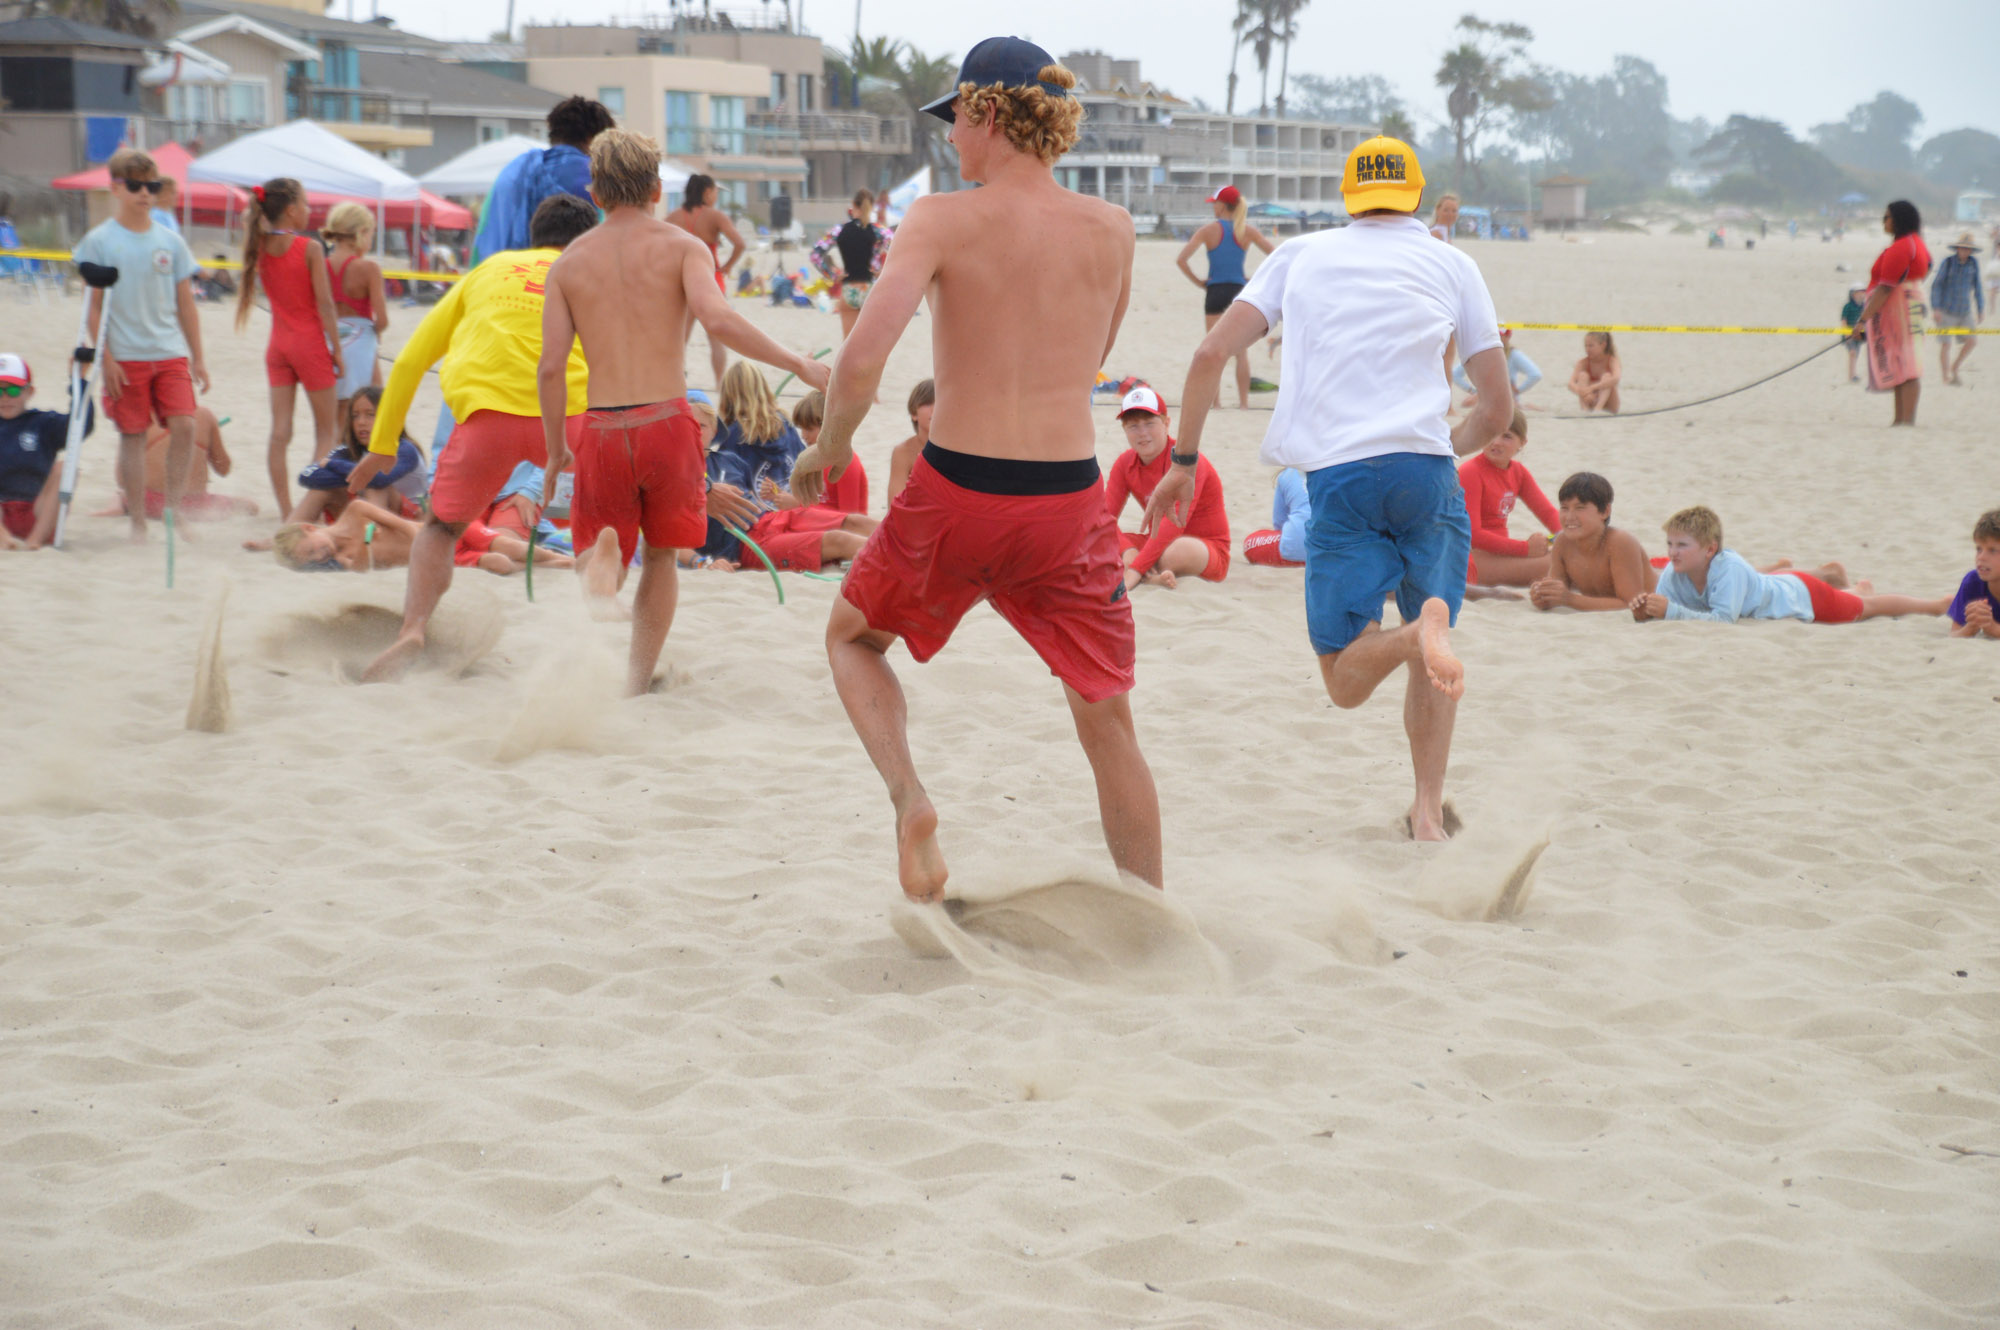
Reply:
x=1006, y=503
x=628, y=290
x=700, y=218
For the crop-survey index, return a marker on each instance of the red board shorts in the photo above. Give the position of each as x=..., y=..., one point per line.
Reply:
x=477, y=541
x=1830, y=604
x=790, y=538
x=1261, y=547
x=18, y=516
x=484, y=450
x=299, y=357
x=1048, y=562
x=1214, y=570
x=153, y=388
x=639, y=471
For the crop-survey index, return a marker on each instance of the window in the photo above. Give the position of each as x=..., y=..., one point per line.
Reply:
x=778, y=91
x=680, y=122
x=249, y=102
x=725, y=116
x=613, y=99
x=490, y=130
x=805, y=82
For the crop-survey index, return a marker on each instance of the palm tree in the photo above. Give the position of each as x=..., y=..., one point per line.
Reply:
x=1288, y=12
x=919, y=79
x=1466, y=72
x=1245, y=11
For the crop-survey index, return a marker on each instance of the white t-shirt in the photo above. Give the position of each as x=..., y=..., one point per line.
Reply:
x=1368, y=310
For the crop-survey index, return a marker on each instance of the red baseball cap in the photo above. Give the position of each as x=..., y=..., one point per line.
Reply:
x=1228, y=194
x=13, y=369
x=1144, y=399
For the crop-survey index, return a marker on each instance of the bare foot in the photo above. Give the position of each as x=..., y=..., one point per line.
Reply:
x=1776, y=566
x=1863, y=588
x=600, y=579
x=1833, y=574
x=115, y=510
x=137, y=536
x=1161, y=577
x=919, y=861
x=391, y=664
x=261, y=544
x=1424, y=825
x=1434, y=641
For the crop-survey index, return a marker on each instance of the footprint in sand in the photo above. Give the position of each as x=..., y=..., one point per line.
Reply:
x=1113, y=933
x=465, y=628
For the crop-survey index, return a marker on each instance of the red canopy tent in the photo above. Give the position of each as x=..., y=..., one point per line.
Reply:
x=400, y=214
x=209, y=204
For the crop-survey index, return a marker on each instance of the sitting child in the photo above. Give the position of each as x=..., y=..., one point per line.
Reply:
x=1493, y=480
x=1705, y=581
x=366, y=536
x=1522, y=373
x=754, y=449
x=208, y=457
x=31, y=442
x=1595, y=380
x=1974, y=608
x=1283, y=545
x=400, y=488
x=1200, y=548
x=903, y=458
x=849, y=494
x=1592, y=565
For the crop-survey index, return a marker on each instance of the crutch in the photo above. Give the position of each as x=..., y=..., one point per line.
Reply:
x=82, y=370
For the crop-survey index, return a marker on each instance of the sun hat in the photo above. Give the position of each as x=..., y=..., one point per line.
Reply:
x=1382, y=173
x=1009, y=62
x=1965, y=241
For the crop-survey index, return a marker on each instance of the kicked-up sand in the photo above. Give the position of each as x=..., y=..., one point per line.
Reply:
x=491, y=1000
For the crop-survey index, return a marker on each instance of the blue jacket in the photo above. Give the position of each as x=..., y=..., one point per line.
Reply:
x=1291, y=510
x=734, y=460
x=520, y=188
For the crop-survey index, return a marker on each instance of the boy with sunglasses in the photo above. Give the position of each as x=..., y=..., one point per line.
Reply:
x=152, y=349
x=30, y=443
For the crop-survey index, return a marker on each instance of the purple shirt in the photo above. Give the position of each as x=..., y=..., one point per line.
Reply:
x=1970, y=591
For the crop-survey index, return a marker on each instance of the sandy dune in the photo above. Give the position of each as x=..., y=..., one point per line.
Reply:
x=488, y=1000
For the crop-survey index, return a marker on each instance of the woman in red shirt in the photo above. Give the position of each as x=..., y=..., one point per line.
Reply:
x=1893, y=316
x=1200, y=547
x=1493, y=480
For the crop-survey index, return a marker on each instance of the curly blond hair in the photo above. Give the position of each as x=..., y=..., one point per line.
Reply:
x=1033, y=119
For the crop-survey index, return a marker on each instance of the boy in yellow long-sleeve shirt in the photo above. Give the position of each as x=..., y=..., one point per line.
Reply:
x=488, y=330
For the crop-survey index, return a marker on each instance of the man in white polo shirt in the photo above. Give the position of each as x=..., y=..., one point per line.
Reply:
x=1370, y=313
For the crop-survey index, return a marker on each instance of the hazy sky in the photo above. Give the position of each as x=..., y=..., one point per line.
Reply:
x=1799, y=61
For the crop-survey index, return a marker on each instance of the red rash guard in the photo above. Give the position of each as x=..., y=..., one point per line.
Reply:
x=1489, y=498
x=1207, y=521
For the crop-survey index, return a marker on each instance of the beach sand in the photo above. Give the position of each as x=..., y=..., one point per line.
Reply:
x=490, y=1000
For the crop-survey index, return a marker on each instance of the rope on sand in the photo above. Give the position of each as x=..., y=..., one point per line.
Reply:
x=534, y=535
x=1703, y=401
x=769, y=567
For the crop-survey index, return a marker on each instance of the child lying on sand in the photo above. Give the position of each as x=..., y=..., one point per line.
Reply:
x=1974, y=608
x=367, y=536
x=1705, y=581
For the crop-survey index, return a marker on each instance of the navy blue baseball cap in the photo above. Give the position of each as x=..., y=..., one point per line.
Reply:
x=1007, y=61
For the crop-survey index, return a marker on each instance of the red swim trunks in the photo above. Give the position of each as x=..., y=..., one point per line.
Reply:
x=483, y=451
x=299, y=356
x=791, y=538
x=1048, y=562
x=477, y=540
x=18, y=516
x=153, y=388
x=1830, y=604
x=1261, y=547
x=1217, y=567
x=639, y=470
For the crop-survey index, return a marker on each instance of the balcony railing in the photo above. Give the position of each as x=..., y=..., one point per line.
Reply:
x=832, y=131
x=363, y=106
x=197, y=136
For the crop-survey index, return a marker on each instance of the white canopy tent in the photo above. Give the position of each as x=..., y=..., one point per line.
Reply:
x=903, y=195
x=474, y=170
x=313, y=155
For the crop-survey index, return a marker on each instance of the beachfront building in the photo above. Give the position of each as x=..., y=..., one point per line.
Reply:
x=461, y=105
x=1160, y=158
x=68, y=92
x=739, y=96
x=1563, y=203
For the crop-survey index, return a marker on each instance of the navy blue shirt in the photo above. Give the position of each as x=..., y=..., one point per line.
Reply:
x=734, y=460
x=29, y=446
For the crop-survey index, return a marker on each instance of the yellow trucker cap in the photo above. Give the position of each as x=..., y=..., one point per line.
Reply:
x=1382, y=173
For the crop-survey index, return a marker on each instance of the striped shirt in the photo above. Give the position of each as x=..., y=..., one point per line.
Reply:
x=1955, y=290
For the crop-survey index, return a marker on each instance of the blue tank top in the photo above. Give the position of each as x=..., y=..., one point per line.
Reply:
x=1225, y=261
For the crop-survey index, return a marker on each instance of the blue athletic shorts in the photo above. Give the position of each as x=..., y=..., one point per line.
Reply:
x=1393, y=523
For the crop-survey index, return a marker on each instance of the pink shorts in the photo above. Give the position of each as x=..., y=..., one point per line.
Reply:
x=1830, y=604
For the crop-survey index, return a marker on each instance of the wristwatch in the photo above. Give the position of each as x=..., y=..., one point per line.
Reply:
x=1185, y=459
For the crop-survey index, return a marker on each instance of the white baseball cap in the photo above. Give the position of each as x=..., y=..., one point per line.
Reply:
x=13, y=369
x=1144, y=399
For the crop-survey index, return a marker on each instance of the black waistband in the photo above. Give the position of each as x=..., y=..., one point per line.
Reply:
x=1011, y=475
x=629, y=406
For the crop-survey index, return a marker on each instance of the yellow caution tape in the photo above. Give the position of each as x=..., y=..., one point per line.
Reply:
x=62, y=256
